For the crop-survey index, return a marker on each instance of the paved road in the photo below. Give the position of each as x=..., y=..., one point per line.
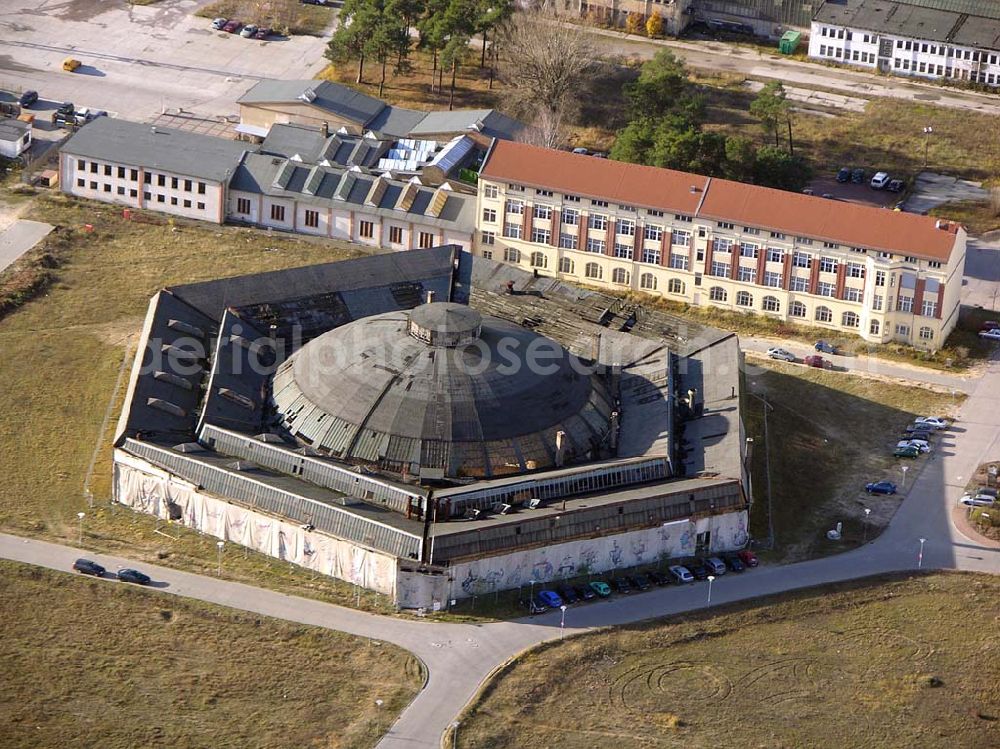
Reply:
x=729, y=58
x=20, y=237
x=460, y=656
x=137, y=60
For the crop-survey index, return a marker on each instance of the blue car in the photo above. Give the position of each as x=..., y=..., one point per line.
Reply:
x=129, y=575
x=881, y=487
x=550, y=598
x=824, y=347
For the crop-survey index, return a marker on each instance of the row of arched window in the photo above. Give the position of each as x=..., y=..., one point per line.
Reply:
x=647, y=281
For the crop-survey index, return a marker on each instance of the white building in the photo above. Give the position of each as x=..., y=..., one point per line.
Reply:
x=15, y=137
x=218, y=180
x=909, y=37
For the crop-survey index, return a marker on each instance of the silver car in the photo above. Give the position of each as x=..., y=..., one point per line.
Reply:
x=776, y=352
x=977, y=500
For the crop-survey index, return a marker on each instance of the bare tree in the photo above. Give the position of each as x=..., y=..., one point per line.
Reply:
x=545, y=130
x=542, y=64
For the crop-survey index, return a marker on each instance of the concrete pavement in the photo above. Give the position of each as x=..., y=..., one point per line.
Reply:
x=18, y=238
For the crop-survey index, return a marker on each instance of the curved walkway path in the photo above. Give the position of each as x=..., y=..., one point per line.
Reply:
x=459, y=657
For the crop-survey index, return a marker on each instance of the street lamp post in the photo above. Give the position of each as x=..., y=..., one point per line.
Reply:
x=711, y=579
x=927, y=141
x=904, y=469
x=378, y=717
x=920, y=556
x=868, y=511
x=220, y=544
x=454, y=734
x=81, y=515
x=531, y=591
x=562, y=621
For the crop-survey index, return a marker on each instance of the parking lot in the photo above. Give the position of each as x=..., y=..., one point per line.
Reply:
x=138, y=61
x=863, y=194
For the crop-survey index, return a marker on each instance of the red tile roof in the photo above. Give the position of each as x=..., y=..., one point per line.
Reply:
x=791, y=213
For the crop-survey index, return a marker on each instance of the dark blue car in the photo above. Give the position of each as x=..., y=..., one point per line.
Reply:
x=129, y=575
x=88, y=567
x=824, y=347
x=881, y=487
x=550, y=598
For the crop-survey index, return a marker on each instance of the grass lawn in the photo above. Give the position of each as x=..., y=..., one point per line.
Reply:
x=829, y=434
x=62, y=355
x=117, y=666
x=902, y=664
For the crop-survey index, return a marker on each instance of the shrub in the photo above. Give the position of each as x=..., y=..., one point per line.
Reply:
x=634, y=23
x=654, y=25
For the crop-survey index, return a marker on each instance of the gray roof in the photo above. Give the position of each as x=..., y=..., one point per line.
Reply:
x=155, y=147
x=374, y=114
x=333, y=97
x=309, y=145
x=260, y=173
x=372, y=391
x=969, y=23
x=13, y=130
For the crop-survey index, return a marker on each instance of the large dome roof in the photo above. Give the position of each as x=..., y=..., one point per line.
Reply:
x=441, y=391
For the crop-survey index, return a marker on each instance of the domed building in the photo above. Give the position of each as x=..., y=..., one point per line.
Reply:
x=434, y=426
x=441, y=391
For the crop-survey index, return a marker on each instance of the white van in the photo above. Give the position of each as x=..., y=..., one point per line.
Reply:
x=880, y=180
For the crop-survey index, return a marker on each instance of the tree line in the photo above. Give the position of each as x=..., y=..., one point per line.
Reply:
x=666, y=115
x=380, y=31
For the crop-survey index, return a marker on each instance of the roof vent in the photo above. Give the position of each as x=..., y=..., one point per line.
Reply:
x=694, y=189
x=240, y=400
x=941, y=224
x=153, y=129
x=166, y=406
x=308, y=96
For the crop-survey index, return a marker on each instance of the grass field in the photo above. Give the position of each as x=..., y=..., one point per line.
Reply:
x=829, y=434
x=116, y=666
x=63, y=352
x=908, y=663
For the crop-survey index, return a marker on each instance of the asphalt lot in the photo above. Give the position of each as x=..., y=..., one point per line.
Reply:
x=138, y=61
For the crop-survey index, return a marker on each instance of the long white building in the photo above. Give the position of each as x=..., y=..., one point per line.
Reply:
x=940, y=39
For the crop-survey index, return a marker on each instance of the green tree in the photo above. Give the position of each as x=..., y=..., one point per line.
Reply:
x=434, y=35
x=634, y=143
x=662, y=89
x=489, y=15
x=741, y=155
x=358, y=19
x=771, y=107
x=775, y=167
x=459, y=22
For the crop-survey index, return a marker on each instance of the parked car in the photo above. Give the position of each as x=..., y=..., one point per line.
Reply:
x=934, y=422
x=987, y=491
x=88, y=567
x=990, y=325
x=601, y=588
x=568, y=595
x=918, y=428
x=880, y=180
x=814, y=361
x=895, y=185
x=844, y=175
x=909, y=451
x=585, y=593
x=748, y=558
x=881, y=487
x=977, y=500
x=621, y=585
x=129, y=575
x=733, y=563
x=535, y=606
x=776, y=352
x=715, y=565
x=697, y=569
x=993, y=335
x=232, y=27
x=581, y=151
x=599, y=155
x=314, y=2
x=858, y=176
x=219, y=23
x=639, y=581
x=550, y=598
x=825, y=347
x=28, y=98
x=681, y=574
x=263, y=32
x=921, y=445
x=658, y=578
x=248, y=31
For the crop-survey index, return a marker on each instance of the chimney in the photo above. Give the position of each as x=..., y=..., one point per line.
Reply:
x=941, y=224
x=430, y=296
x=614, y=432
x=691, y=394
x=560, y=448
x=324, y=130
